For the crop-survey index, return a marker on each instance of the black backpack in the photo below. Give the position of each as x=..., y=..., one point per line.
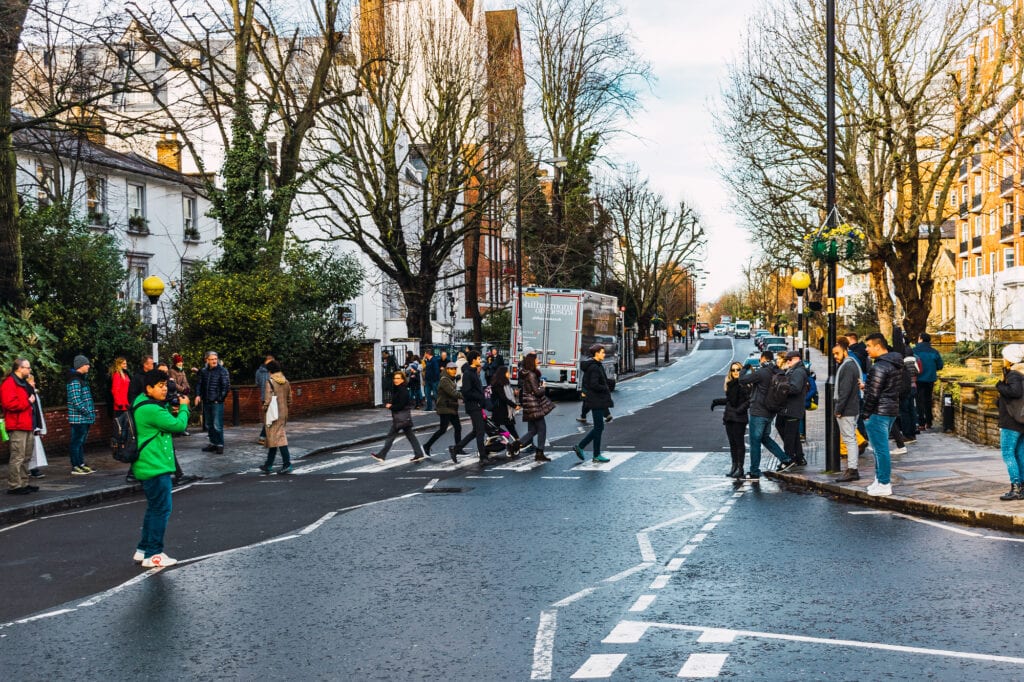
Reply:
x=124, y=438
x=778, y=392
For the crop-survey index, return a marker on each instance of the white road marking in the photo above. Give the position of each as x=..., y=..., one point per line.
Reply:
x=681, y=461
x=341, y=479
x=493, y=477
x=433, y=482
x=628, y=572
x=864, y=513
x=544, y=645
x=319, y=522
x=448, y=465
x=41, y=616
x=96, y=599
x=91, y=509
x=378, y=466
x=646, y=548
x=626, y=632
x=675, y=564
x=716, y=636
x=737, y=494
x=841, y=642
x=688, y=549
x=575, y=597
x=642, y=603
x=562, y=478
x=606, y=466
x=626, y=478
x=327, y=464
x=207, y=483
x=996, y=537
x=724, y=510
x=598, y=667
x=2, y=530
x=935, y=524
x=717, y=517
x=708, y=527
x=703, y=665
x=699, y=537
x=660, y=582
x=694, y=502
x=411, y=478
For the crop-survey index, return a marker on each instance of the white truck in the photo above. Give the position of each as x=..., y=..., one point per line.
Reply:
x=561, y=324
x=742, y=329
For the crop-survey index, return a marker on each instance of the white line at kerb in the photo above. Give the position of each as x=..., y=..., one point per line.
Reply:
x=544, y=646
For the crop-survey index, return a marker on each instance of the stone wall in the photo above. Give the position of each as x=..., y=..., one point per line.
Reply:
x=975, y=416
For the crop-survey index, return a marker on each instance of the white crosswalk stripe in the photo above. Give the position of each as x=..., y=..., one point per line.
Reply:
x=681, y=461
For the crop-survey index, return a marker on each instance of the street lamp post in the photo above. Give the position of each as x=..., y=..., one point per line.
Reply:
x=832, y=462
x=153, y=287
x=800, y=281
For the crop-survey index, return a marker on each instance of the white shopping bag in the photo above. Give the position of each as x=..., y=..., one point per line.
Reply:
x=272, y=411
x=38, y=455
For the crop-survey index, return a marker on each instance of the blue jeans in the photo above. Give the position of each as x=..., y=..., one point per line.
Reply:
x=431, y=394
x=594, y=436
x=761, y=434
x=79, y=432
x=1012, y=445
x=878, y=427
x=213, y=417
x=158, y=511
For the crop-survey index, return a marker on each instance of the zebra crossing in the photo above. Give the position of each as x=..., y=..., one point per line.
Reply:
x=563, y=461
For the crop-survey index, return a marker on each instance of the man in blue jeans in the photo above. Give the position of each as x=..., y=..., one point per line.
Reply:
x=881, y=407
x=761, y=417
x=431, y=377
x=81, y=414
x=211, y=392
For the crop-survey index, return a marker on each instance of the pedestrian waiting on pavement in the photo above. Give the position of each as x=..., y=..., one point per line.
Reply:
x=447, y=410
x=881, y=408
x=211, y=392
x=1011, y=419
x=736, y=403
x=401, y=420
x=177, y=374
x=598, y=400
x=277, y=398
x=846, y=394
x=762, y=415
x=536, y=406
x=795, y=409
x=119, y=383
x=930, y=362
x=18, y=399
x=154, y=426
x=81, y=414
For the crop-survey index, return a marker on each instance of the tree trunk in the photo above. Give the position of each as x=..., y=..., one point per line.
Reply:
x=472, y=287
x=883, y=301
x=12, y=285
x=417, y=315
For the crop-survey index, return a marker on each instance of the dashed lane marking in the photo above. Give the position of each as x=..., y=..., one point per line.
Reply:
x=562, y=478
x=703, y=666
x=642, y=603
x=675, y=564
x=598, y=667
x=660, y=582
x=688, y=549
x=341, y=479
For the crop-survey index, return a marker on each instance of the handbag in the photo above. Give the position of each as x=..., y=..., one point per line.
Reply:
x=402, y=419
x=273, y=412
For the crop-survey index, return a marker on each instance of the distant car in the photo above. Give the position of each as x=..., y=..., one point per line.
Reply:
x=721, y=330
x=753, y=361
x=703, y=327
x=776, y=347
x=730, y=328
x=764, y=341
x=761, y=332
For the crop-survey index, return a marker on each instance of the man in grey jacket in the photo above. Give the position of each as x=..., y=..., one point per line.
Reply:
x=847, y=405
x=795, y=409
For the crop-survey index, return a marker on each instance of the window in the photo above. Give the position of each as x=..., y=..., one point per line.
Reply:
x=965, y=233
x=938, y=199
x=977, y=266
x=963, y=194
x=190, y=213
x=1008, y=259
x=992, y=222
x=46, y=179
x=138, y=270
x=394, y=306
x=977, y=185
x=977, y=226
x=96, y=200
x=965, y=269
x=137, y=209
x=993, y=183
x=1007, y=213
x=993, y=263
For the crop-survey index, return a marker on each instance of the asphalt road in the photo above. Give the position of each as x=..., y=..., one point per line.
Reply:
x=652, y=566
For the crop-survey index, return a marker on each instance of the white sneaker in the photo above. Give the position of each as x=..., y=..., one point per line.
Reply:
x=160, y=560
x=898, y=451
x=138, y=556
x=877, y=489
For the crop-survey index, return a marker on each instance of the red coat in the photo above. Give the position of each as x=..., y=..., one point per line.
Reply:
x=119, y=390
x=17, y=408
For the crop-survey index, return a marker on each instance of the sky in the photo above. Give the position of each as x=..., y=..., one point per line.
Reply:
x=689, y=43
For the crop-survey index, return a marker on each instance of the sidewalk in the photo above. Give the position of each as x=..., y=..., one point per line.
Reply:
x=941, y=476
x=59, y=490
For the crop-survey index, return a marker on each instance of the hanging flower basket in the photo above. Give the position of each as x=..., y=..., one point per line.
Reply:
x=842, y=243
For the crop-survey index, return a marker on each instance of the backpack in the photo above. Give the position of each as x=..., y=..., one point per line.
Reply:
x=124, y=439
x=777, y=393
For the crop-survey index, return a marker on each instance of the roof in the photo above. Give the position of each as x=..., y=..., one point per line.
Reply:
x=52, y=139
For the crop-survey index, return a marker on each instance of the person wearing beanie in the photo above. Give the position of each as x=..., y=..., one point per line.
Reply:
x=1011, y=428
x=81, y=413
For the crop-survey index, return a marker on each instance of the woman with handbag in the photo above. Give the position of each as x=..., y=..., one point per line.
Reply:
x=504, y=400
x=401, y=420
x=736, y=402
x=1011, y=419
x=278, y=397
x=536, y=405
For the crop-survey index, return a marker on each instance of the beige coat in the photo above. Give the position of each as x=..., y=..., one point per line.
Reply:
x=278, y=386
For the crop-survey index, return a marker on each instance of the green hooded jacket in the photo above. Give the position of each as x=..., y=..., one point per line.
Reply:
x=155, y=423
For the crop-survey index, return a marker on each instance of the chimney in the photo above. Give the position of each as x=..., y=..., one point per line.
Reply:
x=168, y=152
x=88, y=124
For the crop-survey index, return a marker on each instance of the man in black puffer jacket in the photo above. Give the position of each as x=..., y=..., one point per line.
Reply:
x=473, y=397
x=881, y=407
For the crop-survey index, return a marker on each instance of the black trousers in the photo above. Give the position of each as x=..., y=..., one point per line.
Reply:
x=445, y=421
x=735, y=431
x=924, y=402
x=791, y=439
x=477, y=418
x=393, y=434
x=538, y=429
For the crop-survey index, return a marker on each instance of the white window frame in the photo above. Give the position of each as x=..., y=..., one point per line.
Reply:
x=46, y=180
x=138, y=270
x=1009, y=258
x=190, y=215
x=136, y=200
x=96, y=199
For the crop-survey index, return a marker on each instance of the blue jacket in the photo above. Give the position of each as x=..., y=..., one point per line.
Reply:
x=213, y=384
x=80, y=406
x=931, y=362
x=262, y=377
x=432, y=370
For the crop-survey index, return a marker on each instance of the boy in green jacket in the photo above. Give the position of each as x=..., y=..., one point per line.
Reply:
x=154, y=424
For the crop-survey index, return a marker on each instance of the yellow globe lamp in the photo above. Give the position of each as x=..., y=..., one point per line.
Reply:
x=153, y=287
x=800, y=281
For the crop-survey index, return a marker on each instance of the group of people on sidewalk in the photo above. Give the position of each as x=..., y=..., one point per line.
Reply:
x=880, y=392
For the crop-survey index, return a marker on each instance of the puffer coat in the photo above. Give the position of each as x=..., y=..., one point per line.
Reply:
x=533, y=397
x=882, y=389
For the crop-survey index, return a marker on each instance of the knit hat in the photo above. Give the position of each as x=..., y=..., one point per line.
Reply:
x=176, y=358
x=80, y=361
x=1013, y=353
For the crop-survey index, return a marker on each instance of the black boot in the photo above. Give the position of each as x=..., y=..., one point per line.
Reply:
x=732, y=472
x=1016, y=493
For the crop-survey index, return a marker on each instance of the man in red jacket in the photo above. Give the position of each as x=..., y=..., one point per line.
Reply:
x=17, y=398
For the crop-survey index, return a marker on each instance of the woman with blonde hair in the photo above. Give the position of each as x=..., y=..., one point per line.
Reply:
x=119, y=383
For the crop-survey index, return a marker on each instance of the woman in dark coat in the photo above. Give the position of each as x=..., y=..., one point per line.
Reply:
x=597, y=399
x=1011, y=431
x=401, y=420
x=536, y=405
x=505, y=403
x=736, y=402
x=447, y=410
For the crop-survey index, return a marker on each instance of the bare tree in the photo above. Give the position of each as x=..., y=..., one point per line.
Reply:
x=654, y=242
x=912, y=110
x=410, y=165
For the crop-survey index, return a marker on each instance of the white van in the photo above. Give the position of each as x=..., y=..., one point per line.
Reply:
x=742, y=330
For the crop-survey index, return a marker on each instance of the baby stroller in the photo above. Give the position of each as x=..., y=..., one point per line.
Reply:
x=498, y=439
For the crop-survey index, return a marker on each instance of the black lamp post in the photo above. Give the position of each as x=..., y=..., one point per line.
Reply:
x=153, y=287
x=832, y=462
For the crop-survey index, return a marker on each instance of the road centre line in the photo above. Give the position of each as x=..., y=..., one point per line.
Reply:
x=628, y=572
x=574, y=597
x=544, y=645
x=703, y=665
x=724, y=509
x=630, y=632
x=675, y=564
x=699, y=537
x=642, y=603
x=341, y=479
x=708, y=527
x=598, y=667
x=717, y=517
x=660, y=582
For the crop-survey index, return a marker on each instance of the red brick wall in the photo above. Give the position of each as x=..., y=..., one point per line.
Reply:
x=308, y=397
